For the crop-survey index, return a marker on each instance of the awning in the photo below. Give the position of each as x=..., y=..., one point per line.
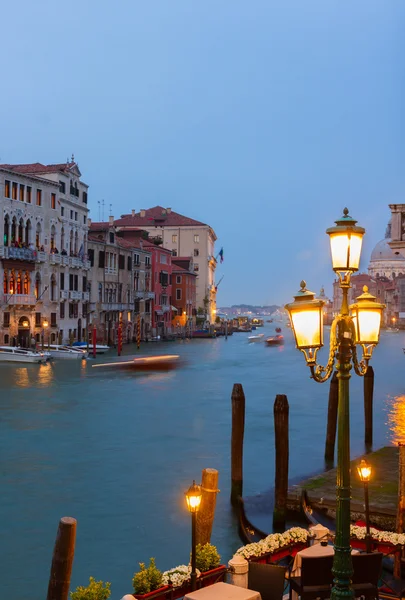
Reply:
x=174, y=308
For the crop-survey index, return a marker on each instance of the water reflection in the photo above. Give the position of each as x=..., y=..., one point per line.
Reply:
x=21, y=377
x=45, y=374
x=396, y=420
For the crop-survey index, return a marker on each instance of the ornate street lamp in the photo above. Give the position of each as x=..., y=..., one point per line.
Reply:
x=360, y=327
x=364, y=471
x=193, y=498
x=44, y=326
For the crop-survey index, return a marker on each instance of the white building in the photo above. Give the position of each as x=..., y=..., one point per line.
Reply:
x=43, y=255
x=384, y=262
x=184, y=237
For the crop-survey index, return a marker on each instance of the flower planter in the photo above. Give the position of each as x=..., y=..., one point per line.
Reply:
x=275, y=557
x=386, y=547
x=162, y=593
x=359, y=544
x=212, y=576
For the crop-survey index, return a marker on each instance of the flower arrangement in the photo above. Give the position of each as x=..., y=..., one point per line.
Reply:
x=390, y=537
x=178, y=576
x=274, y=542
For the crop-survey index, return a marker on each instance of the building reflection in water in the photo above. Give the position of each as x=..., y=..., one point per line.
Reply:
x=45, y=374
x=21, y=377
x=396, y=420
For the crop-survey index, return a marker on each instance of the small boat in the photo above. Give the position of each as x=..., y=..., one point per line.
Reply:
x=14, y=354
x=66, y=352
x=100, y=348
x=392, y=330
x=256, y=338
x=145, y=363
x=275, y=340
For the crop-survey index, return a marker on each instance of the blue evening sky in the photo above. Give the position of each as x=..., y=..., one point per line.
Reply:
x=262, y=118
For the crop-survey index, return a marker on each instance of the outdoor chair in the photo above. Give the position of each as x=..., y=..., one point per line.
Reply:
x=367, y=570
x=268, y=580
x=316, y=578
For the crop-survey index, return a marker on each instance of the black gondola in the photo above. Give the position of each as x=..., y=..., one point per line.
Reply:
x=247, y=531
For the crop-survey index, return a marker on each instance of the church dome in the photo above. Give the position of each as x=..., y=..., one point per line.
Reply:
x=382, y=251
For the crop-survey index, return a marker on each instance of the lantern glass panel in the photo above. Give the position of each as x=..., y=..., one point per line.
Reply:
x=308, y=330
x=369, y=322
x=346, y=249
x=364, y=471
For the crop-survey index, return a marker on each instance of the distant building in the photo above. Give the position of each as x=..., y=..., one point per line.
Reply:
x=184, y=292
x=384, y=262
x=182, y=236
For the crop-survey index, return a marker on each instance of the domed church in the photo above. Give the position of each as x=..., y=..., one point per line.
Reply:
x=383, y=261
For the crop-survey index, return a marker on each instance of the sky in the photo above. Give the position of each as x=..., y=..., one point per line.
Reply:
x=264, y=119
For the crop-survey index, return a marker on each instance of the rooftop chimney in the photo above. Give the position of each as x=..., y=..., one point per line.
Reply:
x=111, y=220
x=133, y=212
x=168, y=210
x=142, y=213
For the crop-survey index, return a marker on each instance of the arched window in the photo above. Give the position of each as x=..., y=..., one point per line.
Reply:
x=53, y=234
x=37, y=285
x=27, y=282
x=6, y=238
x=21, y=231
x=5, y=281
x=11, y=283
x=53, y=288
x=38, y=236
x=28, y=232
x=19, y=283
x=13, y=230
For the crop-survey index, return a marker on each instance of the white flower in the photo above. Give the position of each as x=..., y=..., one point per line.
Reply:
x=274, y=542
x=178, y=575
x=396, y=539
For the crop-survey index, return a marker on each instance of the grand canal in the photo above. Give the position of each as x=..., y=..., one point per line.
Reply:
x=118, y=450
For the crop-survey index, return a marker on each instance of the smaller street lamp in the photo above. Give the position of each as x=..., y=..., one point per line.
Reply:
x=366, y=316
x=44, y=326
x=193, y=498
x=364, y=471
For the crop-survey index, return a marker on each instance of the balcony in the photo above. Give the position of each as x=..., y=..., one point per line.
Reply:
x=64, y=260
x=55, y=259
x=25, y=254
x=73, y=295
x=64, y=295
x=86, y=296
x=41, y=257
x=20, y=299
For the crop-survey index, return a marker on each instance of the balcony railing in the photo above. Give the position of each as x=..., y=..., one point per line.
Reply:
x=41, y=257
x=26, y=254
x=55, y=259
x=73, y=295
x=86, y=296
x=20, y=299
x=64, y=295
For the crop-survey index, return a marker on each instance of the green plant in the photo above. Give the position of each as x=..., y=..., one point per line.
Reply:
x=96, y=590
x=207, y=557
x=147, y=579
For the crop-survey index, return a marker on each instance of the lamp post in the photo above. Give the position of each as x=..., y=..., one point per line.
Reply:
x=193, y=498
x=357, y=325
x=364, y=471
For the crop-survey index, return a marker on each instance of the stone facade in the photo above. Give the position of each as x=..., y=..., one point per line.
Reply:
x=120, y=285
x=43, y=253
x=184, y=237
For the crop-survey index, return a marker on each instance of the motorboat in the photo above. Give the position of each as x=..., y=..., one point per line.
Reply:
x=256, y=338
x=100, y=348
x=165, y=362
x=65, y=352
x=275, y=340
x=14, y=354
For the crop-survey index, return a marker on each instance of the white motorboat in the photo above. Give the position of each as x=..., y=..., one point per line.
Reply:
x=66, y=352
x=100, y=348
x=256, y=338
x=14, y=354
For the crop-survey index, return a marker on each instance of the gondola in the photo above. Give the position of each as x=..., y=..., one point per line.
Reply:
x=247, y=531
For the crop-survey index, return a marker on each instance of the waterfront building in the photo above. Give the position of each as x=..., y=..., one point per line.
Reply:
x=184, y=292
x=119, y=284
x=163, y=309
x=43, y=253
x=182, y=236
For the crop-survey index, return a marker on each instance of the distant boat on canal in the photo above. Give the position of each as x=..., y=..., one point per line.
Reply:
x=14, y=354
x=66, y=352
x=100, y=348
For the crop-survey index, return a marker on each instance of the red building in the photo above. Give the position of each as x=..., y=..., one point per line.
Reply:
x=162, y=286
x=184, y=291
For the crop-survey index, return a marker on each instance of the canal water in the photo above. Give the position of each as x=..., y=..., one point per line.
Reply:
x=117, y=450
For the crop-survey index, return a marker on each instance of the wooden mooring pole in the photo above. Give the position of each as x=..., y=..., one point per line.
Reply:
x=400, y=524
x=206, y=514
x=238, y=429
x=62, y=560
x=368, y=406
x=281, y=410
x=332, y=419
